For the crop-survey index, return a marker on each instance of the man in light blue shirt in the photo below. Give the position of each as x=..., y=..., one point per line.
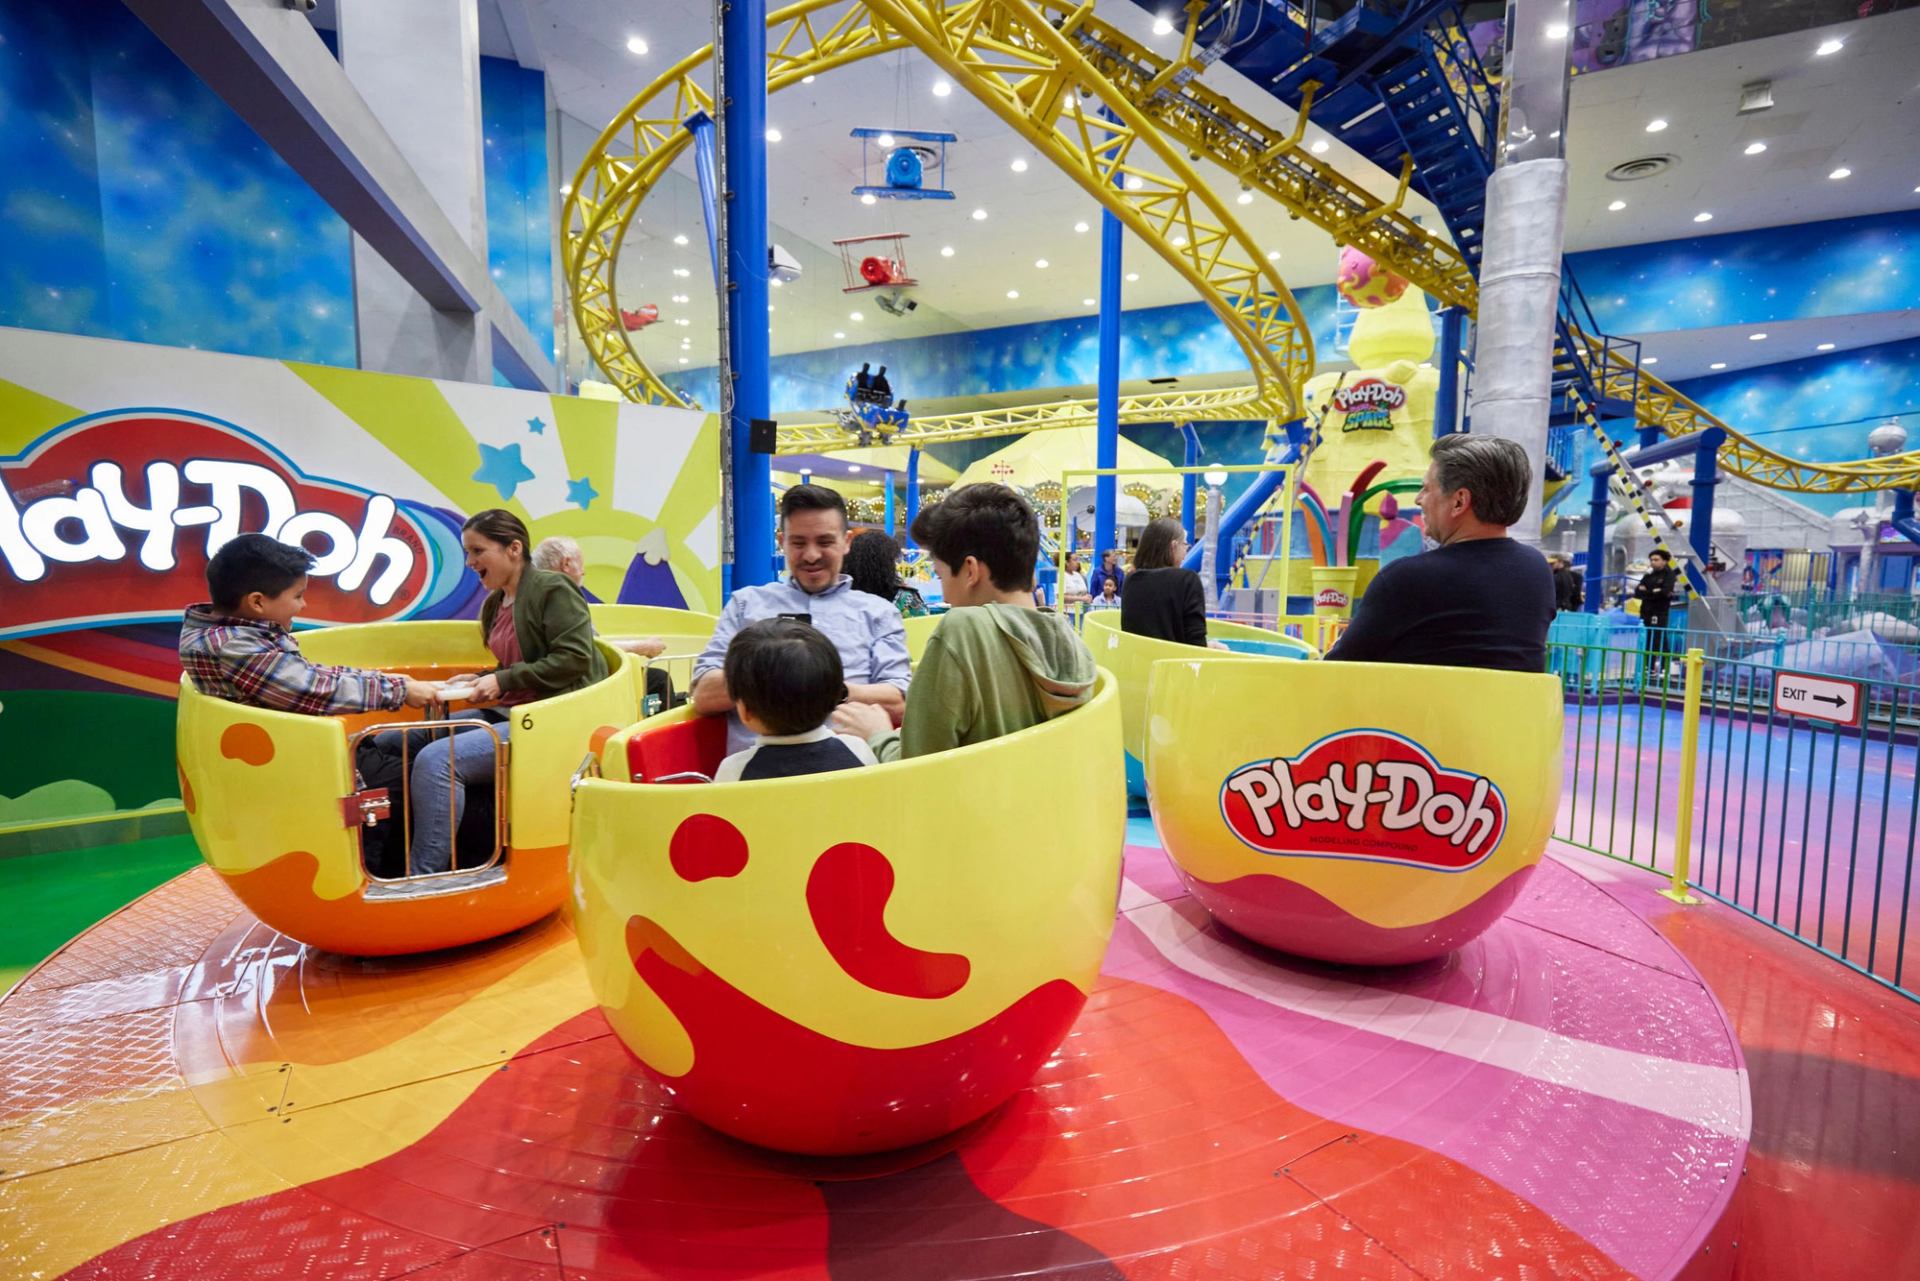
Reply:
x=865, y=629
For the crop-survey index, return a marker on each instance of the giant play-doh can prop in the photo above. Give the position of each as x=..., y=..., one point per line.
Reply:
x=854, y=961
x=1131, y=658
x=1355, y=812
x=276, y=809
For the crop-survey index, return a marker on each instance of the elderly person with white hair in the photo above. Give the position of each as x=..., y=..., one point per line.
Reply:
x=562, y=555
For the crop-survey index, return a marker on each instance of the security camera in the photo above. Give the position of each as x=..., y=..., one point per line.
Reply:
x=302, y=6
x=781, y=265
x=896, y=304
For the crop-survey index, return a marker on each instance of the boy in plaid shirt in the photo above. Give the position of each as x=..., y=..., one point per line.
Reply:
x=239, y=646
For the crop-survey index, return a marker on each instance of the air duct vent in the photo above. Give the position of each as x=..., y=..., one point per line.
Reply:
x=1644, y=167
x=1757, y=96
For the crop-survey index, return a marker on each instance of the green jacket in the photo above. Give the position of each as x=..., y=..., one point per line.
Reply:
x=555, y=632
x=989, y=670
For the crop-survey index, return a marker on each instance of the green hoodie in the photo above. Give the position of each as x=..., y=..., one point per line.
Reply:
x=989, y=670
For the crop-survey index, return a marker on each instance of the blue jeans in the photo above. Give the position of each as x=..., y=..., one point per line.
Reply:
x=436, y=804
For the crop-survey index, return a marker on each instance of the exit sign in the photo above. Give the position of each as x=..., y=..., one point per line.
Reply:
x=1819, y=698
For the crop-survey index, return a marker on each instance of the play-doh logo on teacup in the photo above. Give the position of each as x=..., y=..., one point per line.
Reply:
x=1370, y=795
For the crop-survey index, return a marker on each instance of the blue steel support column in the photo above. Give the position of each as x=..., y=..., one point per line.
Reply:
x=1446, y=402
x=1189, y=483
x=743, y=67
x=1706, y=476
x=913, y=492
x=700, y=125
x=1596, y=544
x=1107, y=408
x=886, y=479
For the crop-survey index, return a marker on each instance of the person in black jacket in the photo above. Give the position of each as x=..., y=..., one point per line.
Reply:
x=1568, y=589
x=1159, y=598
x=1655, y=593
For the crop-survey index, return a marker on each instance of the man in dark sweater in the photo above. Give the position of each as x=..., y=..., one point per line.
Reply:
x=1479, y=599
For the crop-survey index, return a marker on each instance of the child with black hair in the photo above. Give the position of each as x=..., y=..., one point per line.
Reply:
x=786, y=679
x=239, y=646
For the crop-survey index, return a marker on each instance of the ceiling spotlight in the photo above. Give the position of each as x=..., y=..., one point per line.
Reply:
x=946, y=251
x=774, y=135
x=1273, y=255
x=1556, y=31
x=1650, y=360
x=941, y=88
x=1245, y=197
x=1760, y=337
x=1088, y=302
x=1656, y=125
x=1703, y=216
x=636, y=46
x=1133, y=275
x=1617, y=206
x=1019, y=164
x=868, y=198
x=1841, y=172
x=1826, y=47
x=1319, y=147
x=1041, y=263
x=1825, y=346
x=680, y=240
x=839, y=333
x=1163, y=26
x=885, y=140
x=806, y=80
x=1179, y=242
x=853, y=466
x=979, y=215
x=854, y=315
x=1755, y=148
x=1013, y=293
x=1135, y=182
x=681, y=272
x=566, y=189
x=1081, y=227
x=683, y=360
x=1718, y=364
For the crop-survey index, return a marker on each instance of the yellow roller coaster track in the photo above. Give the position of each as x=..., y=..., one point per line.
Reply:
x=1024, y=61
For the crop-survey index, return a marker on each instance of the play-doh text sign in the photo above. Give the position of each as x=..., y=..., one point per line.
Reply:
x=1367, y=795
x=113, y=517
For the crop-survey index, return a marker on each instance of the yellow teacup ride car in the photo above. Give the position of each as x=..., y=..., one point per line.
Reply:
x=854, y=961
x=1364, y=813
x=278, y=811
x=1130, y=658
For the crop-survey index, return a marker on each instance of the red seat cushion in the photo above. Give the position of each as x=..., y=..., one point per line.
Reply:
x=695, y=745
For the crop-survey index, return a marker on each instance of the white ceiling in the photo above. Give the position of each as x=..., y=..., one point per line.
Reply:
x=1855, y=108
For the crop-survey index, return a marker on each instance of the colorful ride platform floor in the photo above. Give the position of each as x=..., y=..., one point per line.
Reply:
x=184, y=1093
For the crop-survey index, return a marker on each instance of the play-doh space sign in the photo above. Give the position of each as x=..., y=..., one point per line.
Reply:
x=1369, y=795
x=113, y=517
x=1368, y=404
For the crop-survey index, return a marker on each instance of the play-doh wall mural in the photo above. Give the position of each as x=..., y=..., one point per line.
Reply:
x=124, y=466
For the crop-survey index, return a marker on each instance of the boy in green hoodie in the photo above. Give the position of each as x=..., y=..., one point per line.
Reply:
x=996, y=664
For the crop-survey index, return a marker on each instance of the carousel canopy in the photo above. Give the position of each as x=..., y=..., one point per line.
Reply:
x=1041, y=456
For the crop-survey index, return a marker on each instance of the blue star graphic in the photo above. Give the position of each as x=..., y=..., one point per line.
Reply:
x=536, y=426
x=503, y=469
x=582, y=492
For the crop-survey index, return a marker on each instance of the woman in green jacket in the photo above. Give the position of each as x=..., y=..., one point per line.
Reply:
x=541, y=635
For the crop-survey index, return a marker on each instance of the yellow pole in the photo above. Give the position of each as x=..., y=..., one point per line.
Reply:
x=1689, y=766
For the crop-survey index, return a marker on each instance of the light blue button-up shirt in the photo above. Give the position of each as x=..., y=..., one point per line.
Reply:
x=864, y=628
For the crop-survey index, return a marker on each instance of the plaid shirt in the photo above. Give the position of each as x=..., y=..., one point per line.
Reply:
x=245, y=660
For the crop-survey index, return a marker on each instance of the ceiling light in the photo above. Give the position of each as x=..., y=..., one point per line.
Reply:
x=1179, y=242
x=854, y=315
x=1755, y=148
x=1273, y=255
x=839, y=333
x=885, y=140
x=1245, y=197
x=941, y=88
x=1617, y=206
x=1135, y=182
x=1703, y=216
x=1718, y=364
x=1013, y=293
x=853, y=466
x=681, y=271
x=806, y=80
x=679, y=240
x=946, y=251
x=1319, y=147
x=869, y=198
x=1088, y=302
x=566, y=189
x=1650, y=360
x=774, y=135
x=1825, y=346
x=1656, y=125
x=1556, y=31
x=636, y=46
x=1081, y=227
x=1019, y=164
x=1826, y=47
x=1761, y=337
x=1841, y=172
x=1163, y=26
x=1133, y=275
x=979, y=215
x=1041, y=263
x=683, y=360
